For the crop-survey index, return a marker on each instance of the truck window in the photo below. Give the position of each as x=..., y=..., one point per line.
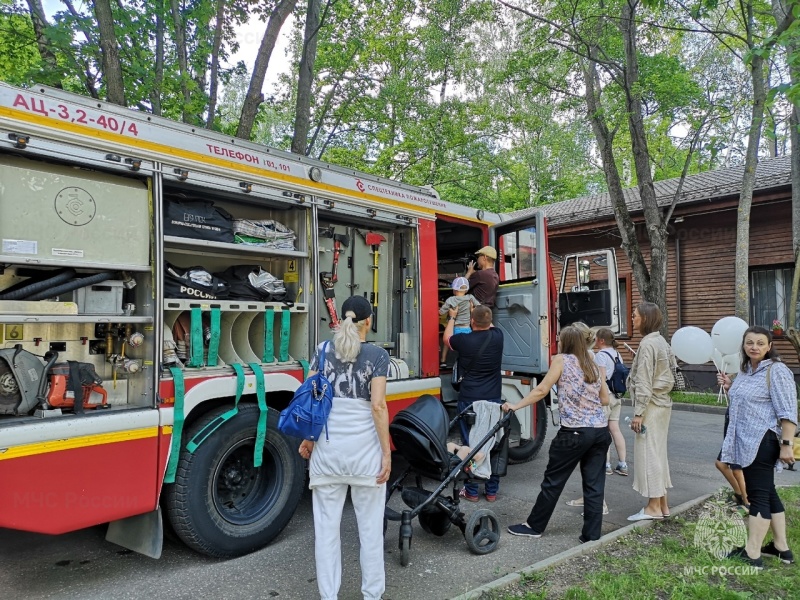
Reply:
x=519, y=254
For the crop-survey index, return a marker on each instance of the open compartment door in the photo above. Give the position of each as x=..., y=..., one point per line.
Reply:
x=521, y=308
x=589, y=290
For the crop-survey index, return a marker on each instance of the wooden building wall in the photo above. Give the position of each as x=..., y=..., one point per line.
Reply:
x=702, y=250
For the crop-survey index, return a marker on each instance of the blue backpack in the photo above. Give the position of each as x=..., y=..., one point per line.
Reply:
x=308, y=411
x=617, y=381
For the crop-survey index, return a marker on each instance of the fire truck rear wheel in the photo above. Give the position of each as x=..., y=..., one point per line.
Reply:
x=528, y=448
x=220, y=504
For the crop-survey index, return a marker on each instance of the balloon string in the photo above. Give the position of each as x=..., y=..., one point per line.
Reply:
x=722, y=394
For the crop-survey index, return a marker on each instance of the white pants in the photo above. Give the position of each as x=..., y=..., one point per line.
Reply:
x=369, y=505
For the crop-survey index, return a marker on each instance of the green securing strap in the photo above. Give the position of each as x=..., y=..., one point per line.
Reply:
x=177, y=425
x=213, y=343
x=261, y=429
x=269, y=345
x=212, y=426
x=196, y=360
x=304, y=364
x=286, y=329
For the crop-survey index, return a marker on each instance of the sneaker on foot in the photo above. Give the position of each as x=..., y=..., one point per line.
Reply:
x=523, y=530
x=443, y=365
x=622, y=469
x=609, y=471
x=491, y=497
x=786, y=556
x=741, y=554
x=468, y=497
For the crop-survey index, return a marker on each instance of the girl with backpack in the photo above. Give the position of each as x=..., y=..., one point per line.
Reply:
x=608, y=357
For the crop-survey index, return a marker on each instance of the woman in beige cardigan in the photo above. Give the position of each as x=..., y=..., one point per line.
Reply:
x=650, y=382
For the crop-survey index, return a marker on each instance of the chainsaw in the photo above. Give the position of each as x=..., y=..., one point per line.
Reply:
x=62, y=395
x=24, y=382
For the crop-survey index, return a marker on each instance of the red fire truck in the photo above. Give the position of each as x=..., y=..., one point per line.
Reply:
x=161, y=288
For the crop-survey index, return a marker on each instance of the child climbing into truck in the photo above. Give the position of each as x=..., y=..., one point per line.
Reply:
x=464, y=302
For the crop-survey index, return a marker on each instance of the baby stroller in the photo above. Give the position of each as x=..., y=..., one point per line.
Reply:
x=419, y=434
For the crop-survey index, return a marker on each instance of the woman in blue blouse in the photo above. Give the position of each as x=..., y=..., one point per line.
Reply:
x=763, y=420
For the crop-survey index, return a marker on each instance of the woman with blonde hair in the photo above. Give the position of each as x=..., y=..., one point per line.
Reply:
x=649, y=383
x=355, y=452
x=583, y=437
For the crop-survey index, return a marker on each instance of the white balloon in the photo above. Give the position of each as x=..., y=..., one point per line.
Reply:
x=727, y=334
x=692, y=345
x=731, y=363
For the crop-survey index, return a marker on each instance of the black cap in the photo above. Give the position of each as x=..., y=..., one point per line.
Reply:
x=359, y=305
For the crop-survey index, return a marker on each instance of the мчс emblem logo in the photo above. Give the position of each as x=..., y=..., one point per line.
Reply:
x=719, y=530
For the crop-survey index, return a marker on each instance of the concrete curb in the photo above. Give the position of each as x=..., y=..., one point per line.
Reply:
x=580, y=550
x=687, y=406
x=700, y=408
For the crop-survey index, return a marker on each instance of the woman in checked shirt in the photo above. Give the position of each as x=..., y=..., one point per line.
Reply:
x=763, y=419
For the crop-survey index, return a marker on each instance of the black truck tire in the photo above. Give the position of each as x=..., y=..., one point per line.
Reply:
x=527, y=449
x=222, y=506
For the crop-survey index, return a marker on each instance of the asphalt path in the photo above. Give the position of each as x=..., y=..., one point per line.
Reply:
x=82, y=565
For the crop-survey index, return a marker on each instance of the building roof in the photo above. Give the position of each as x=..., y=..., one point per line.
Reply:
x=771, y=173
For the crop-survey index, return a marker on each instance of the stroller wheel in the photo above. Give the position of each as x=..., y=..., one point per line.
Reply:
x=405, y=550
x=436, y=523
x=482, y=532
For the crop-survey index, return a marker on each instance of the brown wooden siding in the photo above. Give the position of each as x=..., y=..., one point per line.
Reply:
x=703, y=248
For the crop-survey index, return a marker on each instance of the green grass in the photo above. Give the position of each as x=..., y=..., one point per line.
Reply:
x=696, y=398
x=635, y=567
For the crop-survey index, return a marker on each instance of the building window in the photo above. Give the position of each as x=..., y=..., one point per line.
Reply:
x=770, y=292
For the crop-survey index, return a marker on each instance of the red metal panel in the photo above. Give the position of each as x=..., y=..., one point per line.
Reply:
x=429, y=298
x=552, y=295
x=58, y=492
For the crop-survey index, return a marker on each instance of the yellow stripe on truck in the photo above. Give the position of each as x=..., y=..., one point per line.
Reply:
x=202, y=158
x=83, y=441
x=415, y=394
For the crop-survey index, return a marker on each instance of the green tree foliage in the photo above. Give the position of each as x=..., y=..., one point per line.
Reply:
x=19, y=57
x=469, y=96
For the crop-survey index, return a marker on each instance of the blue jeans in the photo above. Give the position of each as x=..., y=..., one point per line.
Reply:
x=493, y=483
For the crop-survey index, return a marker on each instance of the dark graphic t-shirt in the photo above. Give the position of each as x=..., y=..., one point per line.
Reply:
x=351, y=380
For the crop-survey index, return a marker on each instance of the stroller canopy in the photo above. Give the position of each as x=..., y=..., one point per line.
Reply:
x=419, y=433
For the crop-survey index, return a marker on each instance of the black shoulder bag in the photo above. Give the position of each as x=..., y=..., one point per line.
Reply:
x=460, y=373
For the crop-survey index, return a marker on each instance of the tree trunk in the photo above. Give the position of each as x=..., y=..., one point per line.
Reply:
x=180, y=48
x=654, y=222
x=158, y=78
x=794, y=124
x=742, y=278
x=213, y=83
x=254, y=94
x=109, y=52
x=305, y=80
x=39, y=20
x=627, y=230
